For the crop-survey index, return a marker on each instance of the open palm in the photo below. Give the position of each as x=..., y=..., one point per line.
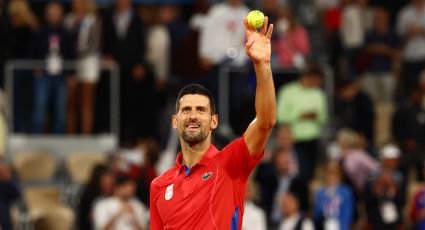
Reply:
x=258, y=46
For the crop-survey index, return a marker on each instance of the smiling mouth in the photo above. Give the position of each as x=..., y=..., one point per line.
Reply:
x=192, y=127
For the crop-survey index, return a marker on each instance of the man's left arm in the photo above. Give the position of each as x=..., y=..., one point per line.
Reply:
x=258, y=48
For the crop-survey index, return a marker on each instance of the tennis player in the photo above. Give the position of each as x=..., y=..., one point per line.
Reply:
x=206, y=187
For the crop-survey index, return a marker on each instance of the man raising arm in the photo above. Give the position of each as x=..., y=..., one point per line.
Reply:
x=206, y=187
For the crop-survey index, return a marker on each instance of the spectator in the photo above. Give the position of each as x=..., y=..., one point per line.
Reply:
x=334, y=202
x=139, y=164
x=354, y=109
x=124, y=43
x=20, y=25
x=355, y=17
x=271, y=9
x=100, y=185
x=291, y=206
x=409, y=131
x=254, y=218
x=411, y=27
x=356, y=163
x=330, y=11
x=224, y=43
x=302, y=105
x=382, y=47
x=121, y=211
x=292, y=45
x=275, y=176
x=9, y=192
x=158, y=45
x=53, y=44
x=418, y=209
x=158, y=56
x=385, y=192
x=84, y=25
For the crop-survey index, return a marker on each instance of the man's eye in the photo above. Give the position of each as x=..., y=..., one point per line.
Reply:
x=185, y=110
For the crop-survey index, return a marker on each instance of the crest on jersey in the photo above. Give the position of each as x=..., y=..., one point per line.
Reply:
x=207, y=176
x=169, y=192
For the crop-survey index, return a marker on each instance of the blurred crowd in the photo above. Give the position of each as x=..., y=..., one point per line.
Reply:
x=354, y=159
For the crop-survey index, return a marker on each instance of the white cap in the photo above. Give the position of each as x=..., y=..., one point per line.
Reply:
x=390, y=151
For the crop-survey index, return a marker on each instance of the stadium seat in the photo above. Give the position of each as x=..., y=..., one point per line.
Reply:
x=45, y=210
x=80, y=164
x=34, y=165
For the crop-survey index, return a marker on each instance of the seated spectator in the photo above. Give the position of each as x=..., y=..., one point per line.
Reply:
x=417, y=211
x=9, y=192
x=385, y=193
x=334, y=202
x=382, y=47
x=292, y=45
x=254, y=217
x=100, y=185
x=121, y=211
x=53, y=44
x=356, y=163
x=302, y=105
x=291, y=205
x=139, y=164
x=274, y=178
x=409, y=130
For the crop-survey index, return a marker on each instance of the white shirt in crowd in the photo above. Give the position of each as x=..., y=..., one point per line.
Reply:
x=222, y=36
x=107, y=208
x=158, y=51
x=414, y=48
x=352, y=30
x=291, y=222
x=254, y=218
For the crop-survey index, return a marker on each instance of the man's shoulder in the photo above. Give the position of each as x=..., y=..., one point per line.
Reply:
x=164, y=179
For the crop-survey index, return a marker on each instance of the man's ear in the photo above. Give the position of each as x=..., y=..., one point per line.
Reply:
x=174, y=121
x=214, y=121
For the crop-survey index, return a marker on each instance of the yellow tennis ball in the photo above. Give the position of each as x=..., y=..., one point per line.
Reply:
x=255, y=18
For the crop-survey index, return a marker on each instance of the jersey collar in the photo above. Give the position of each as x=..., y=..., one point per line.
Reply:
x=210, y=153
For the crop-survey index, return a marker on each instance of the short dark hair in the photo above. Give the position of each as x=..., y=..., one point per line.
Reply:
x=122, y=179
x=195, y=89
x=313, y=69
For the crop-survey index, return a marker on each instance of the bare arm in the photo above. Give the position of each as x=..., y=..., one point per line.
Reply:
x=258, y=48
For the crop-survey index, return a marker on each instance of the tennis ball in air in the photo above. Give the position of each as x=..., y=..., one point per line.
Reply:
x=255, y=18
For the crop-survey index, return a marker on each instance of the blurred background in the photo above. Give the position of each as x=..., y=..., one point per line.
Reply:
x=88, y=87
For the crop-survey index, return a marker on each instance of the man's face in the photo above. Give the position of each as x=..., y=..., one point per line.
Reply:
x=194, y=120
x=289, y=204
x=54, y=14
x=282, y=162
x=284, y=137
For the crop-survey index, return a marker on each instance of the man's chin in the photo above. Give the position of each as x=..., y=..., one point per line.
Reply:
x=193, y=139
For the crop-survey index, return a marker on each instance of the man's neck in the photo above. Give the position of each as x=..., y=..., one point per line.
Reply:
x=192, y=154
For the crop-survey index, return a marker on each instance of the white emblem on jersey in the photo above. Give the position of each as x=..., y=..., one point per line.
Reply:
x=169, y=192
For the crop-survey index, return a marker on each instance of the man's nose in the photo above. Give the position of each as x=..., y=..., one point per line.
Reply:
x=193, y=114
